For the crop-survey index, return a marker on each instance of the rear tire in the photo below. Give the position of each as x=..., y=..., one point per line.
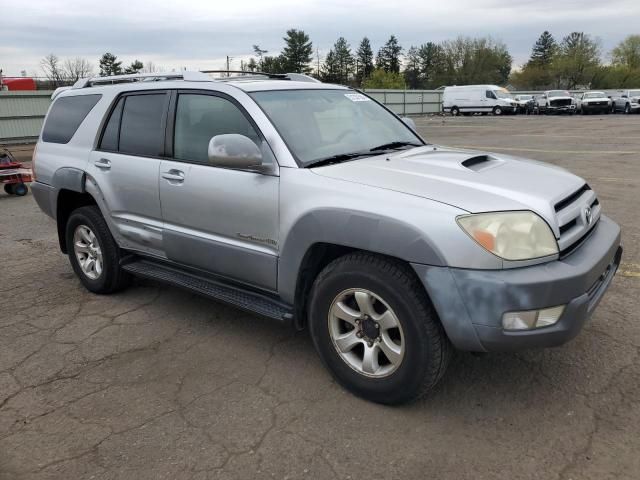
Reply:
x=455, y=111
x=88, y=238
x=420, y=351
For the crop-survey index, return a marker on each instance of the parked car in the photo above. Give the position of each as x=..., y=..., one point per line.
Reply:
x=525, y=104
x=312, y=204
x=593, y=102
x=627, y=101
x=470, y=99
x=556, y=101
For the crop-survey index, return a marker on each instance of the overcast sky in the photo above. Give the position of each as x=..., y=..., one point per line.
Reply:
x=199, y=34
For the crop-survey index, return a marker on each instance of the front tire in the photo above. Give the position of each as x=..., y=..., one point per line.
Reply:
x=497, y=110
x=93, y=253
x=375, y=329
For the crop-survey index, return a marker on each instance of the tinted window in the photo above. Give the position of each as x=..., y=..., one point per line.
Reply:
x=112, y=130
x=142, y=126
x=490, y=94
x=66, y=115
x=201, y=117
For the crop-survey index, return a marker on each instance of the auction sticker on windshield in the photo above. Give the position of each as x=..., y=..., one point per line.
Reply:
x=357, y=97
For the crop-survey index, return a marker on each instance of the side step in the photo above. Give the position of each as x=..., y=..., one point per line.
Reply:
x=238, y=297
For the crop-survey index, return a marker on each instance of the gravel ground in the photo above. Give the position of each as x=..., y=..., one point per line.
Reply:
x=158, y=383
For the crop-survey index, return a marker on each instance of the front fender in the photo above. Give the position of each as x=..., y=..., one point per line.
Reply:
x=355, y=229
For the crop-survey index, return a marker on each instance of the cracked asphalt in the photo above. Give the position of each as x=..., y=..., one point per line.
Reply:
x=157, y=383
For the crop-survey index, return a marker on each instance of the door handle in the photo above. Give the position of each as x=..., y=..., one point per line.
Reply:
x=174, y=176
x=103, y=163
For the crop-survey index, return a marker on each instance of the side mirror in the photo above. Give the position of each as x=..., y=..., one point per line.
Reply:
x=409, y=122
x=234, y=151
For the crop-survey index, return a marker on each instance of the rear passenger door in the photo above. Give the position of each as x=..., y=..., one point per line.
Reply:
x=125, y=167
x=221, y=220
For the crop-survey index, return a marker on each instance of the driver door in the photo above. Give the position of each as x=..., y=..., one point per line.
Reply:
x=221, y=220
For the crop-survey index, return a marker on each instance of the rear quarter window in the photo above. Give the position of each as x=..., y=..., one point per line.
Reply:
x=66, y=115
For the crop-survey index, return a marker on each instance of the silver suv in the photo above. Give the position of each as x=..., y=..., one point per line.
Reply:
x=314, y=205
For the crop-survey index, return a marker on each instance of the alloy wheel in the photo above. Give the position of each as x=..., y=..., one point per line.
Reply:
x=88, y=252
x=366, y=333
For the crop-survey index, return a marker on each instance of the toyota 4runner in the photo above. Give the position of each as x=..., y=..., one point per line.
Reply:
x=315, y=205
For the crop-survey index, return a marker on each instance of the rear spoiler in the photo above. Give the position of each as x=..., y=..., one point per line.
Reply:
x=58, y=91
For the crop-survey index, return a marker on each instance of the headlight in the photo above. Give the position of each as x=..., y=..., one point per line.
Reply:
x=511, y=235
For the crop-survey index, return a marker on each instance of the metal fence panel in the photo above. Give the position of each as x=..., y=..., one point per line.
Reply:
x=22, y=114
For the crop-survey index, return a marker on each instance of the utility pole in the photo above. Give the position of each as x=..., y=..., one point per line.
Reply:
x=228, y=59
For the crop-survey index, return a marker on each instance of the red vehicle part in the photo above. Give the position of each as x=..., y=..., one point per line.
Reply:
x=13, y=176
x=19, y=83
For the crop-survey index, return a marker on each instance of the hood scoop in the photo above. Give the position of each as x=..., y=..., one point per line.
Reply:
x=480, y=162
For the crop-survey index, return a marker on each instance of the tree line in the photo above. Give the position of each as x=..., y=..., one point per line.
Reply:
x=576, y=61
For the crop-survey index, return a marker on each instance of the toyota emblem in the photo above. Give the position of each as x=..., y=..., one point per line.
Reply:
x=587, y=215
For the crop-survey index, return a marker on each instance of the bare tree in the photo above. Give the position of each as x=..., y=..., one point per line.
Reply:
x=76, y=68
x=52, y=69
x=150, y=67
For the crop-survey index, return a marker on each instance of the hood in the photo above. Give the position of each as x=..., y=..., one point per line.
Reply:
x=470, y=180
x=561, y=97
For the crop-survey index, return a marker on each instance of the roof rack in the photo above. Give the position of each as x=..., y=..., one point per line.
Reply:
x=188, y=76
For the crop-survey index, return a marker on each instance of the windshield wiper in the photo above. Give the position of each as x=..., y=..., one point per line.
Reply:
x=392, y=145
x=341, y=157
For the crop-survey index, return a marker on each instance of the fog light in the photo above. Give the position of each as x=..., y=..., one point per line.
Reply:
x=532, y=318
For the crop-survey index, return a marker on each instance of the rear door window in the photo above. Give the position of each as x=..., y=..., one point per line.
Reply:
x=66, y=115
x=112, y=130
x=142, y=127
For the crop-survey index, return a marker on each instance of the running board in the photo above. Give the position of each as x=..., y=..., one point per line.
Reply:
x=238, y=297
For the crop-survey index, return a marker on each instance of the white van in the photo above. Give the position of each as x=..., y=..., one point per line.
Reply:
x=469, y=99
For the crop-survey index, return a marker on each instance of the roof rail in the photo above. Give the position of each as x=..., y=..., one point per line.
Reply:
x=142, y=77
x=188, y=76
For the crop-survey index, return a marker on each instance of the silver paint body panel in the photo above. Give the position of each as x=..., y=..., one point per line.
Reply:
x=255, y=228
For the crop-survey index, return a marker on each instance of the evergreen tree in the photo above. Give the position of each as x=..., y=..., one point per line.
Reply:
x=433, y=67
x=364, y=60
x=344, y=60
x=544, y=50
x=412, y=72
x=135, y=67
x=388, y=57
x=272, y=65
x=252, y=66
x=297, y=52
x=109, y=65
x=330, y=72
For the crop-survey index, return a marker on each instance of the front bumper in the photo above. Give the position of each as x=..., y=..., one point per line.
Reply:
x=471, y=303
x=587, y=107
x=561, y=108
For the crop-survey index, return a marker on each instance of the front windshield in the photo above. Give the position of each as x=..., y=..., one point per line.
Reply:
x=594, y=95
x=525, y=97
x=502, y=94
x=559, y=93
x=319, y=124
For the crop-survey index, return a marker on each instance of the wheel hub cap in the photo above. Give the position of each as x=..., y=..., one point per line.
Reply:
x=366, y=333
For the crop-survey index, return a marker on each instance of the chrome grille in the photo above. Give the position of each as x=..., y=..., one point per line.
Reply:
x=573, y=222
